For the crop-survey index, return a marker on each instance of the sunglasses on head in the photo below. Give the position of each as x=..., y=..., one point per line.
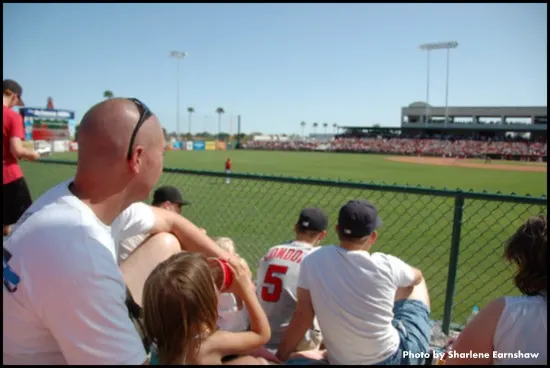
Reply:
x=144, y=114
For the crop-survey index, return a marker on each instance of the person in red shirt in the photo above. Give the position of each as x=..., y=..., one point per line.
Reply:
x=228, y=166
x=15, y=193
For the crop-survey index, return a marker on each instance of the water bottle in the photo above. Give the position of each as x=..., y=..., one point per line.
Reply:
x=475, y=311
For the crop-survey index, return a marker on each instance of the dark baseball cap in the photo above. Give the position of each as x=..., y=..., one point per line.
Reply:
x=170, y=194
x=314, y=219
x=358, y=218
x=13, y=86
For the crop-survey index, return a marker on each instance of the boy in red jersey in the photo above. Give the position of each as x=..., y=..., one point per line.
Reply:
x=15, y=193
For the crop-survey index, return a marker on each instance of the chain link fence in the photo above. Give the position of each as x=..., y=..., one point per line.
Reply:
x=456, y=238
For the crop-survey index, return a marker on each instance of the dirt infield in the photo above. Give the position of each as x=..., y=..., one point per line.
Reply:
x=452, y=162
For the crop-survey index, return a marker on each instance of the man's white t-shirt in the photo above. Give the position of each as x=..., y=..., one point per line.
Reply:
x=128, y=245
x=277, y=283
x=353, y=295
x=69, y=304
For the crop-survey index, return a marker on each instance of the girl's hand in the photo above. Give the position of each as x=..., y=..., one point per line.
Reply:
x=241, y=284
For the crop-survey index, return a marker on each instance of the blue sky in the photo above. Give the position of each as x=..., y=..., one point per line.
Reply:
x=276, y=64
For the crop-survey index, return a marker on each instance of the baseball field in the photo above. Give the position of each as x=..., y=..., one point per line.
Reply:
x=259, y=213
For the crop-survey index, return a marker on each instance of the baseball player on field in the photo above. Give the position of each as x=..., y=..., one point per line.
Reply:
x=228, y=166
x=277, y=278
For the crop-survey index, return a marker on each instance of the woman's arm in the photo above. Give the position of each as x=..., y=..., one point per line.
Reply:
x=477, y=338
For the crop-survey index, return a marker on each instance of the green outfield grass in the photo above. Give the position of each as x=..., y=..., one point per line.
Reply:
x=358, y=167
x=258, y=214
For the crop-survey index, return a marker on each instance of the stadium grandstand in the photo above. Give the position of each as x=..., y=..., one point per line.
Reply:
x=513, y=133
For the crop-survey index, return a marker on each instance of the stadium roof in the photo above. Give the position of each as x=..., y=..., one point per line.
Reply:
x=372, y=128
x=458, y=127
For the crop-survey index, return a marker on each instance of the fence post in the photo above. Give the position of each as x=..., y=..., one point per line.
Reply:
x=453, y=263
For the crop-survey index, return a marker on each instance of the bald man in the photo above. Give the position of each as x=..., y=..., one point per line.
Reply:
x=64, y=294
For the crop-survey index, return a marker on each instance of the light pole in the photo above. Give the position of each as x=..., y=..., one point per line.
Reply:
x=178, y=55
x=438, y=46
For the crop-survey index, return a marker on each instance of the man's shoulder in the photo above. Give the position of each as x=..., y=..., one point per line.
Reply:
x=60, y=252
x=322, y=250
x=58, y=223
x=319, y=255
x=58, y=232
x=388, y=261
x=379, y=256
x=52, y=195
x=137, y=207
x=273, y=247
x=133, y=211
x=53, y=206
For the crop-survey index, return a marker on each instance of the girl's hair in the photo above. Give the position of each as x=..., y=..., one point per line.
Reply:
x=527, y=249
x=179, y=304
x=225, y=243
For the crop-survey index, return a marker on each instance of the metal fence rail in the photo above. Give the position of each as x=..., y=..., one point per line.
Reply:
x=456, y=238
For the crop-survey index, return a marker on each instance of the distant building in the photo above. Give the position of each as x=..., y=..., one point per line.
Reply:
x=476, y=122
x=420, y=112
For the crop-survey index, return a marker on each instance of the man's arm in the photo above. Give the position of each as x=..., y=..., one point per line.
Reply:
x=16, y=134
x=405, y=275
x=302, y=320
x=191, y=238
x=20, y=152
x=418, y=277
x=141, y=218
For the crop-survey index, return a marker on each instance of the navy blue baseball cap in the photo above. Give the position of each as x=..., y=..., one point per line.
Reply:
x=358, y=218
x=314, y=219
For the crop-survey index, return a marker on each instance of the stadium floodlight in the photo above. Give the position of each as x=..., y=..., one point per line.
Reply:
x=178, y=55
x=438, y=46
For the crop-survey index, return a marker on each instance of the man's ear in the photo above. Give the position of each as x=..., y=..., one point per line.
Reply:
x=136, y=159
x=373, y=237
x=324, y=234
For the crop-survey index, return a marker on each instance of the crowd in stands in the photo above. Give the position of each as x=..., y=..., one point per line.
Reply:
x=411, y=146
x=93, y=275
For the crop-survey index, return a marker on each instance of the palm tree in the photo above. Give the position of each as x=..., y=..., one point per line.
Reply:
x=325, y=125
x=334, y=127
x=315, y=125
x=190, y=110
x=108, y=94
x=219, y=111
x=303, y=125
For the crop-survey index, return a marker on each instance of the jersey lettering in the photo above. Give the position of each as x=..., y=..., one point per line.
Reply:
x=285, y=254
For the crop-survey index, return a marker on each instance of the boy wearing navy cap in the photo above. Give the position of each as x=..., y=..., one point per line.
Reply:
x=373, y=308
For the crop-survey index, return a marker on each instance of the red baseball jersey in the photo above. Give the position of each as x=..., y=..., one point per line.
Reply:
x=12, y=127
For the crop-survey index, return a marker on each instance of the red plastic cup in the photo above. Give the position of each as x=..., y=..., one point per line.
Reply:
x=223, y=275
